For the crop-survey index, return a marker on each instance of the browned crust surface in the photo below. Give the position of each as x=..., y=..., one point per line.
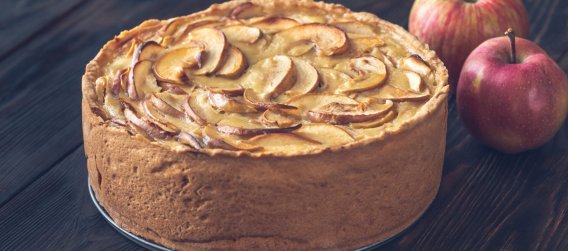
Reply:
x=337, y=198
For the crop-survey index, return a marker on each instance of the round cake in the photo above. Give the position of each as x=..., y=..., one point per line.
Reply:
x=265, y=125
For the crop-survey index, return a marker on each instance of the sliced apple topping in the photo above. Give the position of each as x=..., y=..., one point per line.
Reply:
x=225, y=103
x=198, y=109
x=244, y=126
x=148, y=50
x=339, y=114
x=272, y=76
x=164, y=107
x=415, y=63
x=396, y=94
x=171, y=88
x=361, y=45
x=356, y=28
x=391, y=115
x=190, y=140
x=414, y=81
x=309, y=101
x=271, y=25
x=272, y=118
x=260, y=103
x=119, y=82
x=327, y=134
x=283, y=142
x=100, y=88
x=141, y=81
x=170, y=66
x=332, y=79
x=328, y=39
x=300, y=49
x=234, y=65
x=215, y=48
x=145, y=126
x=228, y=91
x=157, y=118
x=371, y=73
x=242, y=33
x=307, y=78
x=213, y=139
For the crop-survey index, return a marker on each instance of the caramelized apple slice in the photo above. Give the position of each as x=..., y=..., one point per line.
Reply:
x=234, y=65
x=300, y=49
x=372, y=73
x=283, y=142
x=272, y=76
x=170, y=66
x=377, y=122
x=271, y=25
x=416, y=64
x=242, y=33
x=164, y=107
x=157, y=118
x=229, y=104
x=228, y=91
x=339, y=114
x=141, y=81
x=325, y=133
x=307, y=78
x=272, y=118
x=198, y=109
x=259, y=103
x=309, y=101
x=395, y=94
x=355, y=27
x=414, y=81
x=328, y=39
x=213, y=139
x=148, y=50
x=145, y=126
x=215, y=48
x=245, y=126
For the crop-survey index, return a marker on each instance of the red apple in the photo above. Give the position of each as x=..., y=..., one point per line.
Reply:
x=453, y=28
x=512, y=99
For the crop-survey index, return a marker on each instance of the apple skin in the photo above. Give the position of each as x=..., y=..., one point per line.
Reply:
x=453, y=28
x=512, y=107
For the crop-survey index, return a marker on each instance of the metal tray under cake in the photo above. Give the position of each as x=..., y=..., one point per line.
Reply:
x=156, y=247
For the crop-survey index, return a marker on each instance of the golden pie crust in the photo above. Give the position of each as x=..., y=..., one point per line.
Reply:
x=340, y=197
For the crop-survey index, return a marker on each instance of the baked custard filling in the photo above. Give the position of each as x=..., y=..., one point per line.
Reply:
x=262, y=82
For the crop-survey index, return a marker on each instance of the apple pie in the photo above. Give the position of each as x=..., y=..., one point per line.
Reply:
x=265, y=125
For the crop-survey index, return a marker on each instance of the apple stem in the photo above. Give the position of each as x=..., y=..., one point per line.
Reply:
x=511, y=34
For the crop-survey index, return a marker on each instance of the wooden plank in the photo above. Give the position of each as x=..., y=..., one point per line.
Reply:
x=21, y=21
x=40, y=107
x=549, y=25
x=56, y=213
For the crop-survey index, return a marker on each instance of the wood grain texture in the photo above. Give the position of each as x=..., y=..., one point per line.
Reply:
x=487, y=200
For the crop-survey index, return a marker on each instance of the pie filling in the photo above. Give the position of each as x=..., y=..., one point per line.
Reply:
x=262, y=82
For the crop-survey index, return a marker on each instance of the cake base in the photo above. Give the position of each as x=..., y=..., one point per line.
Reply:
x=156, y=247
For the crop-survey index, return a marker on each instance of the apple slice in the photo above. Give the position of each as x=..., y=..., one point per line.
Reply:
x=356, y=27
x=309, y=101
x=328, y=39
x=271, y=25
x=229, y=104
x=145, y=126
x=246, y=10
x=190, y=140
x=119, y=81
x=157, y=118
x=271, y=76
x=216, y=48
x=259, y=103
x=148, y=50
x=283, y=142
x=213, y=139
x=339, y=114
x=228, y=91
x=372, y=73
x=395, y=94
x=377, y=122
x=362, y=45
x=141, y=81
x=165, y=108
x=307, y=78
x=416, y=64
x=414, y=81
x=277, y=119
x=325, y=133
x=242, y=33
x=170, y=66
x=172, y=88
x=332, y=79
x=300, y=49
x=198, y=109
x=234, y=65
x=245, y=126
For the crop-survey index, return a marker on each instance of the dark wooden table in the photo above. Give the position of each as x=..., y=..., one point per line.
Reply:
x=487, y=200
